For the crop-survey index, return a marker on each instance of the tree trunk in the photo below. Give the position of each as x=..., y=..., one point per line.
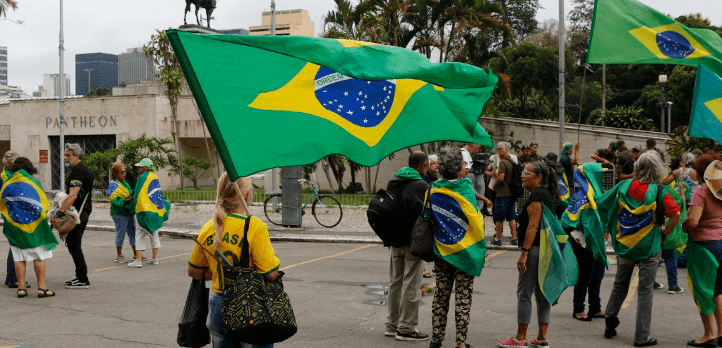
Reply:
x=176, y=137
x=205, y=141
x=324, y=165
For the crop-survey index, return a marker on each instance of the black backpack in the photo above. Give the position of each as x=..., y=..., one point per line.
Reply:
x=385, y=215
x=515, y=187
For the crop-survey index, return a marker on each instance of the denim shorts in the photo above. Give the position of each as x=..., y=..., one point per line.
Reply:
x=504, y=209
x=124, y=225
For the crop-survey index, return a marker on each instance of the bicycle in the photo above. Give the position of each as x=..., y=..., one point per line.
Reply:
x=326, y=209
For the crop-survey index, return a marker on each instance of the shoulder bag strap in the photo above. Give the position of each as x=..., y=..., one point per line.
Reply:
x=84, y=200
x=245, y=258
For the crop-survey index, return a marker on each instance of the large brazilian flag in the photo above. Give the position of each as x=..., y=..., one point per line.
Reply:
x=558, y=268
x=701, y=277
x=24, y=208
x=582, y=214
x=629, y=32
x=273, y=101
x=706, y=119
x=151, y=209
x=458, y=226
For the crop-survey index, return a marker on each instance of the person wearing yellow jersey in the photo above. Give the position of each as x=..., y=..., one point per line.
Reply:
x=224, y=232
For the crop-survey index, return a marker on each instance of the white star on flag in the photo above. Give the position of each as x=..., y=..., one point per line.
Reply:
x=340, y=106
x=366, y=121
x=384, y=88
x=349, y=112
x=345, y=94
x=360, y=93
x=378, y=113
x=363, y=107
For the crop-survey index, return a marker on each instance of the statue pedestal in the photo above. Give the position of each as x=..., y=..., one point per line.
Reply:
x=198, y=29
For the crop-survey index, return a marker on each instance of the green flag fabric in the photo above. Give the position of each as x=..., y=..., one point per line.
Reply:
x=582, y=212
x=701, y=276
x=24, y=209
x=274, y=101
x=635, y=235
x=151, y=208
x=629, y=32
x=677, y=240
x=706, y=119
x=558, y=268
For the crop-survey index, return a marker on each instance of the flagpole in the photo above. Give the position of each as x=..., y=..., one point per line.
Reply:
x=562, y=100
x=61, y=53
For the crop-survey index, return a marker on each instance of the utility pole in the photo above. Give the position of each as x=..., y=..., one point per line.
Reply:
x=88, y=70
x=62, y=101
x=562, y=100
x=604, y=88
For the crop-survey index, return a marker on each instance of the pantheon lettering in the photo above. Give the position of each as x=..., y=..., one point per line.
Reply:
x=83, y=121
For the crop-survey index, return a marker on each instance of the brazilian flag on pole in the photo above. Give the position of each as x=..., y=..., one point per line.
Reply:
x=701, y=276
x=151, y=209
x=629, y=32
x=706, y=120
x=557, y=263
x=274, y=101
x=24, y=208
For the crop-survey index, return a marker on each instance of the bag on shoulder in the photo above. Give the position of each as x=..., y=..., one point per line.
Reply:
x=192, y=330
x=254, y=310
x=422, y=236
x=515, y=187
x=385, y=215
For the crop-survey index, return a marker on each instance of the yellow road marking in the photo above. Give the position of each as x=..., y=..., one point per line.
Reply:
x=124, y=265
x=495, y=254
x=632, y=289
x=327, y=257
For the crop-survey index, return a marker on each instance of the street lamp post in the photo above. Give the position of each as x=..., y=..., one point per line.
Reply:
x=663, y=102
x=61, y=53
x=88, y=70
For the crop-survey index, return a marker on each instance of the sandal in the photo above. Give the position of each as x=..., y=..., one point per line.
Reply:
x=587, y=318
x=22, y=293
x=42, y=293
x=600, y=315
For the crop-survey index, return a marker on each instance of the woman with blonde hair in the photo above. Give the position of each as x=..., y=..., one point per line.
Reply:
x=224, y=233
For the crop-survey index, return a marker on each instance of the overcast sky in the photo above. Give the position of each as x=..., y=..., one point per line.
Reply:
x=112, y=26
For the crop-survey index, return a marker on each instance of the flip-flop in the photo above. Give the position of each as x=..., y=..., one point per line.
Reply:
x=587, y=318
x=46, y=293
x=22, y=293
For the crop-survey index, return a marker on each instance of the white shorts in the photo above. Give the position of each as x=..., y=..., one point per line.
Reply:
x=141, y=233
x=37, y=253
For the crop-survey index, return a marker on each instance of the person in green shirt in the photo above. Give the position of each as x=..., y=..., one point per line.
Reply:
x=122, y=209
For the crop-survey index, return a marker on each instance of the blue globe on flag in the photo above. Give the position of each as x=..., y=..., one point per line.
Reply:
x=155, y=194
x=674, y=45
x=363, y=103
x=23, y=203
x=450, y=217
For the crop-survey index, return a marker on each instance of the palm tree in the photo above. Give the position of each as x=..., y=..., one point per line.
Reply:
x=344, y=22
x=7, y=4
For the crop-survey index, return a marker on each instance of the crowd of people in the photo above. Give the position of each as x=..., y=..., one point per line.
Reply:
x=651, y=205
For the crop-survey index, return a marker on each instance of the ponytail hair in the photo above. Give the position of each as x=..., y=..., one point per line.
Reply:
x=228, y=195
x=549, y=178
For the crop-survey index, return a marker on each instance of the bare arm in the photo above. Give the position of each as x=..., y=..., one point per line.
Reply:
x=625, y=176
x=72, y=196
x=673, y=221
x=271, y=276
x=575, y=160
x=693, y=215
x=200, y=273
x=599, y=159
x=535, y=212
x=672, y=177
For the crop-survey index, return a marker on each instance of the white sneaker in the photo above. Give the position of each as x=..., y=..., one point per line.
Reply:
x=135, y=264
x=120, y=260
x=153, y=261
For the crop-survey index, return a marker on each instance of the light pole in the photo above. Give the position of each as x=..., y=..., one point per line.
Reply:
x=88, y=70
x=663, y=101
x=61, y=53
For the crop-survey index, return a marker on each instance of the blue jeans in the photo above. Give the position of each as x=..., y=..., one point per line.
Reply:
x=215, y=325
x=10, y=277
x=671, y=264
x=591, y=273
x=124, y=225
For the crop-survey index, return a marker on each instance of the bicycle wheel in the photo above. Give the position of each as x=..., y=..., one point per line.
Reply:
x=327, y=211
x=273, y=208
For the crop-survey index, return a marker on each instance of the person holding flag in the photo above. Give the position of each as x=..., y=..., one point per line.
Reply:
x=633, y=212
x=122, y=210
x=24, y=208
x=546, y=265
x=151, y=210
x=704, y=249
x=458, y=244
x=11, y=279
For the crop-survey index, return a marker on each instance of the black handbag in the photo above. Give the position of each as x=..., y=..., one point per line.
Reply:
x=192, y=330
x=422, y=235
x=254, y=310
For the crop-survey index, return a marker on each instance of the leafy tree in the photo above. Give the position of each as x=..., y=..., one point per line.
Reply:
x=626, y=117
x=337, y=164
x=592, y=97
x=193, y=169
x=521, y=16
x=546, y=35
x=680, y=143
x=157, y=150
x=5, y=5
x=159, y=51
x=99, y=164
x=580, y=18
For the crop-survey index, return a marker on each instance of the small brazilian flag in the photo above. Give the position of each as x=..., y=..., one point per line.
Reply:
x=628, y=32
x=151, y=209
x=24, y=208
x=311, y=97
x=558, y=268
x=706, y=120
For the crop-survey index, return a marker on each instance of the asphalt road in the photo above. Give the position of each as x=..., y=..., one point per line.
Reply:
x=337, y=291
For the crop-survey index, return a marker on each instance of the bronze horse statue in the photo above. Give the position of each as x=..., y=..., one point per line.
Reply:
x=209, y=5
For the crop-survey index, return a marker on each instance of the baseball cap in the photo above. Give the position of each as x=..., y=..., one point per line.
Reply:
x=524, y=147
x=567, y=146
x=10, y=156
x=613, y=144
x=636, y=148
x=146, y=162
x=533, y=144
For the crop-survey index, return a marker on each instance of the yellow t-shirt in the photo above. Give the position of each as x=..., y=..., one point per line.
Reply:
x=261, y=255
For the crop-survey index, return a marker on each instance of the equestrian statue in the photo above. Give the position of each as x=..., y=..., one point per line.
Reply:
x=209, y=5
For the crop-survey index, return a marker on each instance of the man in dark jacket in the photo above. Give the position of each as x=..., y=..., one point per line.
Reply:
x=405, y=283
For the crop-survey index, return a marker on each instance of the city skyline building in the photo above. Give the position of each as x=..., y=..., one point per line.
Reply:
x=96, y=69
x=289, y=22
x=134, y=67
x=3, y=66
x=51, y=85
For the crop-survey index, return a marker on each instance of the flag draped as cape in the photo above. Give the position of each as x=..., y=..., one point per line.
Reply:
x=458, y=225
x=151, y=209
x=557, y=263
x=701, y=276
x=582, y=214
x=24, y=209
x=118, y=192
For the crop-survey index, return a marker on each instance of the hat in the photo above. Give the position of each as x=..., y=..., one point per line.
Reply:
x=533, y=144
x=651, y=142
x=637, y=148
x=613, y=144
x=524, y=147
x=551, y=160
x=567, y=146
x=146, y=162
x=10, y=156
x=482, y=158
x=713, y=178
